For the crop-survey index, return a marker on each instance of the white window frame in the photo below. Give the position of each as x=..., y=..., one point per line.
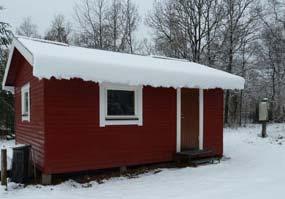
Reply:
x=25, y=115
x=122, y=120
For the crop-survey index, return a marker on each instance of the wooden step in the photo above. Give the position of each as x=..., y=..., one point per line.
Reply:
x=212, y=160
x=196, y=157
x=194, y=154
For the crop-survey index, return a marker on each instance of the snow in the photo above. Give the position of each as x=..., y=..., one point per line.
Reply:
x=50, y=59
x=9, y=146
x=255, y=170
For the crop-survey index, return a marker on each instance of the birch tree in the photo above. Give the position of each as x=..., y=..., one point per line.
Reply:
x=115, y=20
x=131, y=22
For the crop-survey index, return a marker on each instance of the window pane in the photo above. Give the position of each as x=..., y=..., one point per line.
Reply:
x=26, y=102
x=120, y=102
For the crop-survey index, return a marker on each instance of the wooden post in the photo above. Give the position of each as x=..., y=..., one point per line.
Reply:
x=4, y=167
x=123, y=170
x=46, y=179
x=263, y=132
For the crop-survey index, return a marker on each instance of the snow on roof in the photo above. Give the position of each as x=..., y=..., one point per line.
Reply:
x=53, y=59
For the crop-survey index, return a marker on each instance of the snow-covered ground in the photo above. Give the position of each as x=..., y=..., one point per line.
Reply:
x=256, y=170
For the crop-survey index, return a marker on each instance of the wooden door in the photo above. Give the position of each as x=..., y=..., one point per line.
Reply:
x=189, y=119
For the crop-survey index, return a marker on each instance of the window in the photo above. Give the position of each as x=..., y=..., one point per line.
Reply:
x=25, y=102
x=120, y=105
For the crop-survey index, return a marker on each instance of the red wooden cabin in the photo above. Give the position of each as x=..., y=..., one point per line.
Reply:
x=129, y=110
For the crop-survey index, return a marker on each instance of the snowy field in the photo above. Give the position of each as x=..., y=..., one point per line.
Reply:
x=256, y=169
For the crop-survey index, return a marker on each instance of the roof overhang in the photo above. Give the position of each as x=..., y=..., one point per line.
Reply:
x=16, y=44
x=53, y=59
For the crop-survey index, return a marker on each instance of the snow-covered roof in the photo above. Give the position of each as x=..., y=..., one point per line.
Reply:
x=53, y=59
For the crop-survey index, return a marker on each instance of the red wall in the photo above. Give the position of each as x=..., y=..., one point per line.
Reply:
x=29, y=132
x=213, y=120
x=76, y=142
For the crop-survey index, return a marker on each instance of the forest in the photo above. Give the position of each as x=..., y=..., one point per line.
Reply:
x=242, y=37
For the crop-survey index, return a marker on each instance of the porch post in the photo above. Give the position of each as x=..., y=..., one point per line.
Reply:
x=178, y=120
x=201, y=118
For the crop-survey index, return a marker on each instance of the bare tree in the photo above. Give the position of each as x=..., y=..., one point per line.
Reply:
x=115, y=20
x=59, y=31
x=107, y=24
x=28, y=29
x=272, y=53
x=163, y=21
x=238, y=24
x=131, y=22
x=92, y=20
x=186, y=26
x=145, y=47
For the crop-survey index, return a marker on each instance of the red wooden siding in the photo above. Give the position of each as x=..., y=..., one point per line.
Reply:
x=29, y=132
x=213, y=120
x=75, y=141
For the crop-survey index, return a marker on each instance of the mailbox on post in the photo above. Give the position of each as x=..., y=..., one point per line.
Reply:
x=263, y=115
x=263, y=110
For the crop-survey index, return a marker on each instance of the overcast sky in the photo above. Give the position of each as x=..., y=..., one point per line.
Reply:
x=42, y=11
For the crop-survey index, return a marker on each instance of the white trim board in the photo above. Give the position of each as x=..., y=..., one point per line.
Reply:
x=201, y=119
x=25, y=89
x=178, y=120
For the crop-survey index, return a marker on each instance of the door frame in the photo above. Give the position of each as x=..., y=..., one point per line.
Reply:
x=178, y=119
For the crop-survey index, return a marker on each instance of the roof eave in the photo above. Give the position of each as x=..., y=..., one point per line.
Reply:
x=27, y=55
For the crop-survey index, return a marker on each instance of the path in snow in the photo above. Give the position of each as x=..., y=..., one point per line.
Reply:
x=255, y=170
